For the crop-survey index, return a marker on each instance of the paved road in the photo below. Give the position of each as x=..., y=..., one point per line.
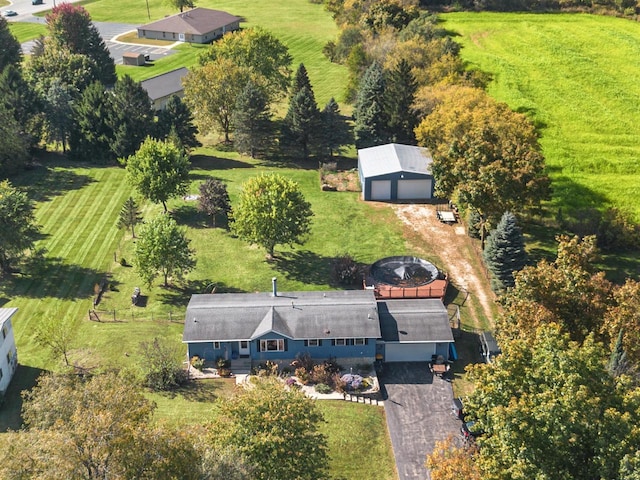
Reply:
x=419, y=412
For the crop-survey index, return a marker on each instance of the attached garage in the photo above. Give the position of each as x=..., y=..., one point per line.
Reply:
x=395, y=172
x=413, y=330
x=409, y=352
x=381, y=190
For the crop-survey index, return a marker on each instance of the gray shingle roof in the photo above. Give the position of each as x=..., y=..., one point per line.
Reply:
x=197, y=21
x=416, y=320
x=394, y=157
x=297, y=315
x=166, y=84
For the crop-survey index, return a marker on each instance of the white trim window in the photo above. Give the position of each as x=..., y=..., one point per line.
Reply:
x=272, y=345
x=359, y=341
x=340, y=342
x=216, y=345
x=313, y=342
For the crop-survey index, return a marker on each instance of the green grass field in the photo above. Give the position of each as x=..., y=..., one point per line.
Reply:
x=576, y=77
x=26, y=31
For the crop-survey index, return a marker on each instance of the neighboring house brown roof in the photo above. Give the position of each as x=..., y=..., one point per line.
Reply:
x=132, y=55
x=197, y=21
x=166, y=84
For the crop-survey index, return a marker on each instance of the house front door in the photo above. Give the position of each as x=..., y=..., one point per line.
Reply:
x=243, y=351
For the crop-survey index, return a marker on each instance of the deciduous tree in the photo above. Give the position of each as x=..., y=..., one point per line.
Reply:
x=550, y=410
x=59, y=113
x=163, y=249
x=129, y=216
x=158, y=171
x=161, y=364
x=18, y=229
x=212, y=91
x=14, y=147
x=214, y=199
x=485, y=155
x=449, y=461
x=257, y=50
x=182, y=4
x=271, y=210
x=70, y=28
x=55, y=332
x=504, y=253
x=251, y=121
x=276, y=429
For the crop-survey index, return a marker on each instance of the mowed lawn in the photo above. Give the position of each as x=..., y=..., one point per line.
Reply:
x=577, y=77
x=26, y=31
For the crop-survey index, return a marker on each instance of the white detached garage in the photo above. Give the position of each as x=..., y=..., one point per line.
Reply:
x=395, y=172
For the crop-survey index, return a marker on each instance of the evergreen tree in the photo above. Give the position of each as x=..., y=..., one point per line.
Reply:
x=10, y=53
x=91, y=136
x=370, y=126
x=252, y=120
x=59, y=113
x=14, y=147
x=301, y=80
x=70, y=28
x=335, y=131
x=301, y=123
x=400, y=93
x=618, y=363
x=131, y=117
x=129, y=216
x=177, y=115
x=21, y=100
x=505, y=253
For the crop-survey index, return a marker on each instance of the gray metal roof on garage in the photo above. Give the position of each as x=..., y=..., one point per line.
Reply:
x=414, y=320
x=165, y=84
x=394, y=157
x=296, y=315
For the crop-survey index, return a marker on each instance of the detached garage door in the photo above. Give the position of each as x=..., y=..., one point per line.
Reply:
x=409, y=352
x=381, y=190
x=414, y=189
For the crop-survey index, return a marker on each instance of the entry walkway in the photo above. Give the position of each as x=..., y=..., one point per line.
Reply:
x=418, y=407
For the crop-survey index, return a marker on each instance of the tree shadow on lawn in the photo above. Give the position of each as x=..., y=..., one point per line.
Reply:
x=202, y=391
x=211, y=162
x=44, y=183
x=24, y=378
x=179, y=296
x=51, y=277
x=311, y=268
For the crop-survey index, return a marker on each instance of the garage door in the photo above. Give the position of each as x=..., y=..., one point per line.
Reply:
x=414, y=189
x=408, y=352
x=381, y=190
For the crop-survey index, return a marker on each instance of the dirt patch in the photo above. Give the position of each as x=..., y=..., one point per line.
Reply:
x=341, y=181
x=453, y=246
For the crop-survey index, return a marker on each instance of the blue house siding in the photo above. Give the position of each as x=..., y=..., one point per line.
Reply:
x=394, y=177
x=207, y=351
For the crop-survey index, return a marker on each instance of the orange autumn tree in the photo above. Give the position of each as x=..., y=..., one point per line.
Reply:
x=451, y=462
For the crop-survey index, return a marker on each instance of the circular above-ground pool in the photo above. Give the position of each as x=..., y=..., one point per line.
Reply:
x=404, y=272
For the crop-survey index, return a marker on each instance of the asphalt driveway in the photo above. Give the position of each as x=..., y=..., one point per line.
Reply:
x=419, y=412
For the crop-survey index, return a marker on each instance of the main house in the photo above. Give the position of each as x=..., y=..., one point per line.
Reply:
x=351, y=326
x=395, y=172
x=199, y=25
x=8, y=353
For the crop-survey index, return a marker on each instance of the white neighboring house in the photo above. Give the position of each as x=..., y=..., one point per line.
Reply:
x=8, y=352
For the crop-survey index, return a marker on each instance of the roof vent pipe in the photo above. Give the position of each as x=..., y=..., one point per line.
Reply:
x=274, y=286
